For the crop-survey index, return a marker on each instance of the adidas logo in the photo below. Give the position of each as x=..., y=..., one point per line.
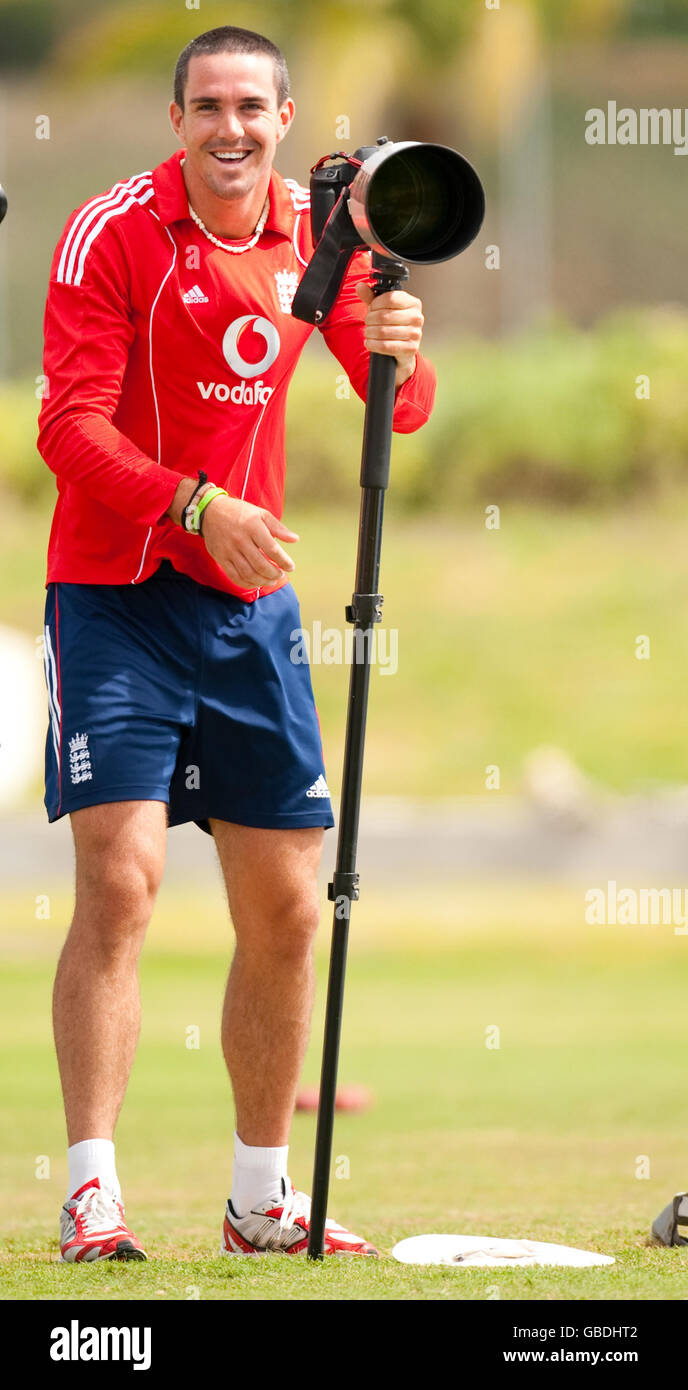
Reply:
x=195, y=296
x=319, y=788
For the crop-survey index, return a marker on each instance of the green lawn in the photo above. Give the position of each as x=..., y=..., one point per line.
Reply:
x=506, y=640
x=539, y=1138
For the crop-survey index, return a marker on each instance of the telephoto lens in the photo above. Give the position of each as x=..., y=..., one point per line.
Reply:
x=419, y=203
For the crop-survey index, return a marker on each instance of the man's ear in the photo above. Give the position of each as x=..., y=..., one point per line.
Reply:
x=176, y=117
x=282, y=129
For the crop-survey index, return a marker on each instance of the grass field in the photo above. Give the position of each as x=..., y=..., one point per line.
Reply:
x=574, y=1129
x=542, y=1137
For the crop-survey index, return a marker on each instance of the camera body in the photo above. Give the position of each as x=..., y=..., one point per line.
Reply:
x=328, y=182
x=407, y=201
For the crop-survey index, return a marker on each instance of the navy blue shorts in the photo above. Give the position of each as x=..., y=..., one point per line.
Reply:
x=172, y=691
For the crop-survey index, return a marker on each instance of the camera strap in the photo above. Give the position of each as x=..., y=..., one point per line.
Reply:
x=326, y=270
x=322, y=280
x=338, y=154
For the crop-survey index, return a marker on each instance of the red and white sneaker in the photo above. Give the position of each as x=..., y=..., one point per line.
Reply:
x=282, y=1228
x=92, y=1227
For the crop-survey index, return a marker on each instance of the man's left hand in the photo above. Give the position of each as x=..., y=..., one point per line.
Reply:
x=394, y=326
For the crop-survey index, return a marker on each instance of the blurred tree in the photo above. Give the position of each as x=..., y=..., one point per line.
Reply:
x=588, y=18
x=458, y=73
x=28, y=29
x=116, y=35
x=655, y=17
x=415, y=59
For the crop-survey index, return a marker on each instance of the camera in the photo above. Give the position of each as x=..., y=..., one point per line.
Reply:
x=408, y=201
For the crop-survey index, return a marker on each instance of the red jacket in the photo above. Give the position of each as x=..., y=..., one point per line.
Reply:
x=165, y=354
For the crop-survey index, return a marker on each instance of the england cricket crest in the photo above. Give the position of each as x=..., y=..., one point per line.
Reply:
x=287, y=282
x=79, y=759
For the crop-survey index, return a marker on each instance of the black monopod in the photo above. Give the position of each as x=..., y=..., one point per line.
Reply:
x=409, y=202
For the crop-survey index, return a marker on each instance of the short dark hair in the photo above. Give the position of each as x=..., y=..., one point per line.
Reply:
x=228, y=39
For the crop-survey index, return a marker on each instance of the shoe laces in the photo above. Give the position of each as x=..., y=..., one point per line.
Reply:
x=297, y=1207
x=97, y=1209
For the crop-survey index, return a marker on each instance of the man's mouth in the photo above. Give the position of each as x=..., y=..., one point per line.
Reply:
x=230, y=156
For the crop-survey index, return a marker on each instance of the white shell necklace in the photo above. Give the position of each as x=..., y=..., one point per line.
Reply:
x=227, y=245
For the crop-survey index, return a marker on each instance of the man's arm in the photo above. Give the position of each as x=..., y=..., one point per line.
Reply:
x=88, y=336
x=393, y=326
x=391, y=323
x=239, y=536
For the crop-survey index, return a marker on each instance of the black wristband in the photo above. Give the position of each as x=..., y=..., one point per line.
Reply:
x=202, y=480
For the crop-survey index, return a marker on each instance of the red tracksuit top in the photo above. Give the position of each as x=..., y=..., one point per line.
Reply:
x=165, y=355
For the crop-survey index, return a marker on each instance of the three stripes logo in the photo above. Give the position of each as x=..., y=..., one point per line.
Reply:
x=300, y=196
x=90, y=221
x=95, y=215
x=300, y=201
x=53, y=691
x=319, y=788
x=195, y=296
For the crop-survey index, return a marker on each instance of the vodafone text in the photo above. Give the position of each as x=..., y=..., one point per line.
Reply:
x=75, y=1343
x=245, y=393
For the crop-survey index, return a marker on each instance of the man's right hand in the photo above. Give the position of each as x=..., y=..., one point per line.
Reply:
x=240, y=538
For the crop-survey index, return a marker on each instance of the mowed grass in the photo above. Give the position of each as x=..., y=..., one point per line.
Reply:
x=505, y=640
x=547, y=1136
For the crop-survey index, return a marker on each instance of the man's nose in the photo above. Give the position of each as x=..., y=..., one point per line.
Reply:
x=230, y=125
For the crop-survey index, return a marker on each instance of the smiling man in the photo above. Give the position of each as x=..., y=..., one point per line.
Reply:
x=169, y=348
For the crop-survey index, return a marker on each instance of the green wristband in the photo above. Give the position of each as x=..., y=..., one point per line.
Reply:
x=196, y=523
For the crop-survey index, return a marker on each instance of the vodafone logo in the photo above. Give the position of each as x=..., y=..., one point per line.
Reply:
x=242, y=334
x=239, y=330
x=243, y=394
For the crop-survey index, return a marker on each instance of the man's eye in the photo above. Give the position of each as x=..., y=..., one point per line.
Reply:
x=211, y=106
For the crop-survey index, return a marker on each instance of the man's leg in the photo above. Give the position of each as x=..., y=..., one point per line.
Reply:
x=120, y=855
x=273, y=898
x=271, y=878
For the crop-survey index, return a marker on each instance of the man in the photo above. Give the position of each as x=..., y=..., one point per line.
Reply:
x=169, y=347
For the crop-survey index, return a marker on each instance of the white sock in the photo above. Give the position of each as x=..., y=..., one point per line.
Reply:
x=257, y=1175
x=93, y=1158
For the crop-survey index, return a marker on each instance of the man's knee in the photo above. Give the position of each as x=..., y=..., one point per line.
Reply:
x=271, y=879
x=120, y=857
x=285, y=928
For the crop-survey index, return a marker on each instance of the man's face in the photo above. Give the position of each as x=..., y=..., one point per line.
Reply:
x=230, y=124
